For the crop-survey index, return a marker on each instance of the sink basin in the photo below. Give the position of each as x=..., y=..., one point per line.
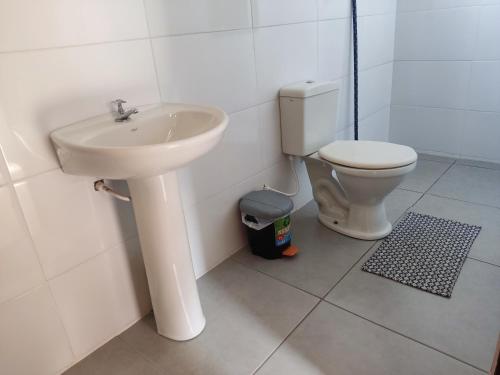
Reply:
x=154, y=141
x=146, y=151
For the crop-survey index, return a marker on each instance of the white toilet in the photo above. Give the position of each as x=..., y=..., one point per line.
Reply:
x=350, y=179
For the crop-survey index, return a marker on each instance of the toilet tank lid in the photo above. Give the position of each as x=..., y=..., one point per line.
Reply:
x=306, y=89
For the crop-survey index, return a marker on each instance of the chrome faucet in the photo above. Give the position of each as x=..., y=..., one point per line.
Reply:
x=123, y=115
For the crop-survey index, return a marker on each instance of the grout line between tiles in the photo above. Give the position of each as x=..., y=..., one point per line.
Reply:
x=448, y=60
x=284, y=24
x=286, y=338
x=413, y=191
x=349, y=270
x=272, y=277
x=430, y=187
x=67, y=46
x=152, y=51
x=254, y=52
x=447, y=8
x=175, y=35
x=483, y=261
x=463, y=163
x=15, y=181
x=458, y=109
x=114, y=247
x=142, y=355
x=149, y=36
x=407, y=337
x=440, y=158
x=85, y=356
x=63, y=324
x=461, y=200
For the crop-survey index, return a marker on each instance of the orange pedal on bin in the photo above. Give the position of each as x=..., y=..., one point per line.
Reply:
x=291, y=251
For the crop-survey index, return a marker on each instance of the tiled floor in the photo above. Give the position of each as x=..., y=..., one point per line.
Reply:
x=319, y=314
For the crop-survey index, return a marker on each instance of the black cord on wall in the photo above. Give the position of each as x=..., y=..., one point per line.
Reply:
x=355, y=60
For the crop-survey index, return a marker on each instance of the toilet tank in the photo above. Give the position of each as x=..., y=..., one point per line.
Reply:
x=308, y=116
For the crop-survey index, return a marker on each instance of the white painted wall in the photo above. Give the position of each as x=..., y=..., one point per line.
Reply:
x=446, y=83
x=71, y=273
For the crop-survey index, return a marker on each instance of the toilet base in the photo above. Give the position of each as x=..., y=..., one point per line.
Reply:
x=341, y=228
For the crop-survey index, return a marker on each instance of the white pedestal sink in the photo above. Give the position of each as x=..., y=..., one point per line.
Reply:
x=146, y=151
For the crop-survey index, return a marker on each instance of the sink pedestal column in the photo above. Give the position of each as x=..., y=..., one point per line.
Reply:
x=167, y=256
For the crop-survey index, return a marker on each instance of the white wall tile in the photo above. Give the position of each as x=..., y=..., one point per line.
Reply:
x=115, y=217
x=333, y=44
x=448, y=34
x=427, y=129
x=484, y=94
x=26, y=24
x=32, y=336
x=44, y=90
x=481, y=136
x=487, y=44
x=376, y=126
x=214, y=218
x=375, y=85
x=376, y=40
x=329, y=9
x=3, y=169
x=62, y=219
x=345, y=102
x=284, y=54
x=371, y=7
x=168, y=17
x=279, y=12
x=101, y=297
x=19, y=266
x=462, y=30
x=280, y=176
x=431, y=83
x=234, y=159
x=345, y=134
x=270, y=134
x=68, y=220
x=412, y=5
x=211, y=69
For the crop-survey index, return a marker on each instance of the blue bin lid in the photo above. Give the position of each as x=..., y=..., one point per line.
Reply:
x=266, y=204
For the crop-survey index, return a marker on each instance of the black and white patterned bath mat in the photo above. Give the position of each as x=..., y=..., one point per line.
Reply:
x=425, y=252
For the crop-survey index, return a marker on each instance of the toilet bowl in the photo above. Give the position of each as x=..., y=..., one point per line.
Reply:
x=351, y=180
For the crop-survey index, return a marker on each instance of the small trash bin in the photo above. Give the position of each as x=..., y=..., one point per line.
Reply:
x=266, y=215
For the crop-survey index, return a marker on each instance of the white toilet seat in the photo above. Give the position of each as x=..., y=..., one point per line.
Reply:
x=368, y=155
x=388, y=172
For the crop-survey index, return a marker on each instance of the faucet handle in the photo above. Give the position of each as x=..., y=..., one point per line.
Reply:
x=119, y=104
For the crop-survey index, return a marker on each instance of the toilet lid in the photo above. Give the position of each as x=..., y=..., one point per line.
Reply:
x=368, y=154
